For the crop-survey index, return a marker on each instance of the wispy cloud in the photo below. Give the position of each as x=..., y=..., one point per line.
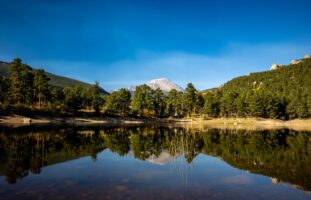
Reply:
x=205, y=71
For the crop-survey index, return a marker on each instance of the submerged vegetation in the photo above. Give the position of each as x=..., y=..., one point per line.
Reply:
x=284, y=93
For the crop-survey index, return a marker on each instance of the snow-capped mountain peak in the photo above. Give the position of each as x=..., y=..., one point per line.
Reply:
x=164, y=84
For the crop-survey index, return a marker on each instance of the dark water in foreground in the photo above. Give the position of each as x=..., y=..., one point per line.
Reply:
x=153, y=163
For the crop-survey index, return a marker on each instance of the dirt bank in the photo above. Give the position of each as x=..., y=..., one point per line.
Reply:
x=250, y=123
x=223, y=123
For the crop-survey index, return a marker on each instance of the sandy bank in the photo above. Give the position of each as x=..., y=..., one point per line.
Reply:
x=250, y=123
x=200, y=123
x=22, y=120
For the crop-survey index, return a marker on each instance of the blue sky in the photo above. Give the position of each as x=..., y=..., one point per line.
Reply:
x=127, y=42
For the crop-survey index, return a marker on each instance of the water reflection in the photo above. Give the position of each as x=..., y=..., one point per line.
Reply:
x=283, y=155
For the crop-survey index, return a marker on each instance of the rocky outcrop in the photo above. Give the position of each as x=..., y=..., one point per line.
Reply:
x=295, y=61
x=276, y=66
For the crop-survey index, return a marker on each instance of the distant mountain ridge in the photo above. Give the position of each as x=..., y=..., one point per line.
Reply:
x=55, y=80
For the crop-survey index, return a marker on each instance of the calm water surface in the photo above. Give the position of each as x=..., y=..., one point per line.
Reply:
x=153, y=163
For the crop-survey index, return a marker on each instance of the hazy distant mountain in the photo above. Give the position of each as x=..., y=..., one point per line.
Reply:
x=164, y=84
x=55, y=80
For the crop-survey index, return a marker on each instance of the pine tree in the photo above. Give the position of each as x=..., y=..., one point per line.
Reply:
x=57, y=96
x=143, y=100
x=242, y=104
x=27, y=84
x=174, y=104
x=4, y=89
x=73, y=98
x=40, y=86
x=297, y=108
x=97, y=100
x=118, y=102
x=211, y=105
x=228, y=104
x=274, y=107
x=16, y=95
x=190, y=98
x=159, y=103
x=199, y=103
x=257, y=104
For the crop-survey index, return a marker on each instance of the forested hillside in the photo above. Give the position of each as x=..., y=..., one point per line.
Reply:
x=54, y=80
x=23, y=88
x=281, y=93
x=286, y=81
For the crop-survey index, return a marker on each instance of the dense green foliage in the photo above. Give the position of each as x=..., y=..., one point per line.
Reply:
x=27, y=87
x=148, y=102
x=118, y=102
x=143, y=100
x=283, y=155
x=174, y=104
x=54, y=80
x=284, y=93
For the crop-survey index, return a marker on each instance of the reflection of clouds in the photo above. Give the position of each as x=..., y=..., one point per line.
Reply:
x=238, y=179
x=162, y=159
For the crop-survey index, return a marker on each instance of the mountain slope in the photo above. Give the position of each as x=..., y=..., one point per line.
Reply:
x=283, y=93
x=55, y=80
x=286, y=81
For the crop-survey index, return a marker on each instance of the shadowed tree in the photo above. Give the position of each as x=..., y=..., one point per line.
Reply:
x=159, y=103
x=174, y=104
x=40, y=86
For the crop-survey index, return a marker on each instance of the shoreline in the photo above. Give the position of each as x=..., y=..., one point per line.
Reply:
x=222, y=123
x=252, y=123
x=23, y=120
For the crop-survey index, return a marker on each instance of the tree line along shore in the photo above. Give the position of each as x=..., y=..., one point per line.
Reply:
x=280, y=94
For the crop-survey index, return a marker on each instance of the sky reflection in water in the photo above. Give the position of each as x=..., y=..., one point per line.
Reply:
x=153, y=163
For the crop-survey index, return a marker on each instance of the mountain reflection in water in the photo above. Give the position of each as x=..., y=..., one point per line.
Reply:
x=283, y=155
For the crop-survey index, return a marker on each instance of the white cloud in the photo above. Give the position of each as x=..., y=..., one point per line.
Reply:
x=205, y=71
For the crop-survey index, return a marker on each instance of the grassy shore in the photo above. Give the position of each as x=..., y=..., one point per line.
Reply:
x=201, y=123
x=251, y=123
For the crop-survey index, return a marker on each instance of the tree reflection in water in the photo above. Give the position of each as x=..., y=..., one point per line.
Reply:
x=284, y=155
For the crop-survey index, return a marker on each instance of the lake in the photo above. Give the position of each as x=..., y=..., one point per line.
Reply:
x=96, y=162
